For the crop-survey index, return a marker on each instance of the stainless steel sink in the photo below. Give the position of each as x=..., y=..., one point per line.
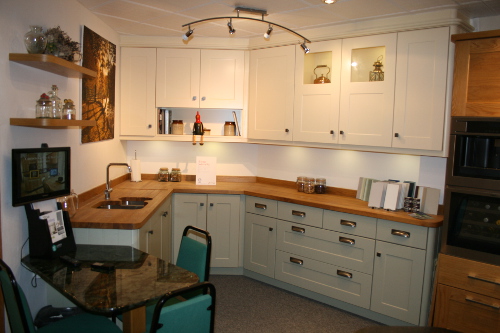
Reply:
x=134, y=200
x=122, y=204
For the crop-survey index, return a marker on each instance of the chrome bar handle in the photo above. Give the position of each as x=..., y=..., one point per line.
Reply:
x=347, y=240
x=296, y=261
x=400, y=233
x=298, y=213
x=298, y=229
x=484, y=280
x=260, y=206
x=470, y=299
x=348, y=223
x=344, y=274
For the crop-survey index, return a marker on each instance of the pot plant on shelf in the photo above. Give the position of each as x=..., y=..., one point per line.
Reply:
x=61, y=45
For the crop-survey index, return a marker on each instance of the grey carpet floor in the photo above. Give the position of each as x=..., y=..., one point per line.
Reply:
x=247, y=305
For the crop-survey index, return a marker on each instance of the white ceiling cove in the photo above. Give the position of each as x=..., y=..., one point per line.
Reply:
x=166, y=17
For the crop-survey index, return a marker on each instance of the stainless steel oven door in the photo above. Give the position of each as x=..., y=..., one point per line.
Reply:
x=471, y=226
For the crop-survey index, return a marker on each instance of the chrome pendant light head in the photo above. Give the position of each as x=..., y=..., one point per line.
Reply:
x=304, y=47
x=187, y=34
x=230, y=26
x=268, y=32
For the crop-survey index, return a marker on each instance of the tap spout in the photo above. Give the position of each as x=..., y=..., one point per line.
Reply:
x=108, y=189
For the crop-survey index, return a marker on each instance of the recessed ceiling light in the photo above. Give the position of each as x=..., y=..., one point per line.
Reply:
x=329, y=2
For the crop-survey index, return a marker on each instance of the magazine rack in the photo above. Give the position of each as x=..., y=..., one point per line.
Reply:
x=40, y=240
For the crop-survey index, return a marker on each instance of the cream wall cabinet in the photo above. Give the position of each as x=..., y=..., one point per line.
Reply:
x=219, y=214
x=271, y=93
x=138, y=82
x=200, y=78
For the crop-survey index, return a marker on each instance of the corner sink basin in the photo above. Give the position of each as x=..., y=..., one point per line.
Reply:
x=123, y=204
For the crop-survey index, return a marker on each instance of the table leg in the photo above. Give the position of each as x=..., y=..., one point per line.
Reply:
x=134, y=321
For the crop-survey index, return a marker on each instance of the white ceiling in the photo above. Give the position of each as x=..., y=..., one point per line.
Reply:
x=166, y=17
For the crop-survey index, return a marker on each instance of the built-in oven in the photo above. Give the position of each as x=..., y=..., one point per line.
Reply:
x=471, y=227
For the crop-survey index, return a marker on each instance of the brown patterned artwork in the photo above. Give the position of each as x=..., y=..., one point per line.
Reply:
x=98, y=94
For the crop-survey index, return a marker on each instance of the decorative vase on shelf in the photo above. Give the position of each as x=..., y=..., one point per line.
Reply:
x=35, y=40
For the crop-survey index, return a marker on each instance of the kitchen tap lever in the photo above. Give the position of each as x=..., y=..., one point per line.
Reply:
x=108, y=189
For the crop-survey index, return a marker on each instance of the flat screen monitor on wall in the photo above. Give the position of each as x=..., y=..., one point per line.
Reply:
x=40, y=174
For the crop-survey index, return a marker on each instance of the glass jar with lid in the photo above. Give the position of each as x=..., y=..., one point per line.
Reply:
x=230, y=128
x=300, y=183
x=320, y=186
x=175, y=175
x=177, y=127
x=163, y=175
x=309, y=185
x=44, y=107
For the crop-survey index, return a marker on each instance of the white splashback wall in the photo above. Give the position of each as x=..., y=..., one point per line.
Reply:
x=341, y=168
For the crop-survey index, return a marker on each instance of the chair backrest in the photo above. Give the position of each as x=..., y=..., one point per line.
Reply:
x=17, y=308
x=194, y=255
x=196, y=314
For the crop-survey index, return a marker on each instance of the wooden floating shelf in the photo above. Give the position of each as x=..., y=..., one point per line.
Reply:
x=52, y=64
x=51, y=123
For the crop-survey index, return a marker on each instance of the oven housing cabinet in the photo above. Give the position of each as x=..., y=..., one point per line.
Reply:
x=471, y=227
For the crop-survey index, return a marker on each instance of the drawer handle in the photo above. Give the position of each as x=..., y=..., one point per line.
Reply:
x=297, y=229
x=260, y=206
x=484, y=280
x=344, y=274
x=400, y=233
x=348, y=223
x=470, y=299
x=297, y=213
x=296, y=261
x=347, y=240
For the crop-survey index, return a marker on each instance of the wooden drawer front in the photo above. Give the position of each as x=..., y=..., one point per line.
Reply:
x=300, y=214
x=402, y=233
x=261, y=206
x=348, y=251
x=349, y=223
x=466, y=312
x=470, y=275
x=329, y=280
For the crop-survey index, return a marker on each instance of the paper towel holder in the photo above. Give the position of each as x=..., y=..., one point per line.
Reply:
x=136, y=169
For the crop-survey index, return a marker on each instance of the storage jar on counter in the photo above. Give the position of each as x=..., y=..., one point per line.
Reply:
x=163, y=175
x=175, y=175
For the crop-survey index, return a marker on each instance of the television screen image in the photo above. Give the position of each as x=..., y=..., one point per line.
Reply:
x=40, y=174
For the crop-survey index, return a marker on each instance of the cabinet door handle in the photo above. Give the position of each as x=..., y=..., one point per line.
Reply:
x=348, y=223
x=332, y=132
x=341, y=132
x=203, y=98
x=484, y=280
x=150, y=126
x=296, y=261
x=271, y=229
x=260, y=206
x=396, y=135
x=164, y=214
x=400, y=233
x=202, y=204
x=344, y=274
x=211, y=204
x=150, y=232
x=347, y=240
x=297, y=213
x=470, y=299
x=194, y=98
x=287, y=130
x=297, y=229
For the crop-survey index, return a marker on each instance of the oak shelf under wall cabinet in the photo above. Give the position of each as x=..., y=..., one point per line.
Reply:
x=219, y=214
x=477, y=75
x=200, y=78
x=51, y=123
x=467, y=295
x=52, y=64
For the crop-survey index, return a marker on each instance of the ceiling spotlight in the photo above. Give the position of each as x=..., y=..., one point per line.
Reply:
x=329, y=2
x=268, y=32
x=230, y=26
x=187, y=34
x=303, y=45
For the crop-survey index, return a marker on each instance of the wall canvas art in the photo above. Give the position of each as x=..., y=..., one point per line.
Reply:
x=98, y=94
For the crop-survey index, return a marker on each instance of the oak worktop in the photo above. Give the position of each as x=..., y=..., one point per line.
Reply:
x=89, y=217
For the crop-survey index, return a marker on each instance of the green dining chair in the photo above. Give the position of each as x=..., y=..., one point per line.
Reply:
x=194, y=255
x=194, y=315
x=21, y=321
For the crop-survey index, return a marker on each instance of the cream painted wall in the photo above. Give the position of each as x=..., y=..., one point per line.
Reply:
x=20, y=87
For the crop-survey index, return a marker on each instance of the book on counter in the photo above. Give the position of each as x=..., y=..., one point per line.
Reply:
x=164, y=121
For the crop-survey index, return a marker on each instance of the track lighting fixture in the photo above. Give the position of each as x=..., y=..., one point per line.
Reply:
x=303, y=45
x=187, y=34
x=252, y=11
x=230, y=26
x=268, y=32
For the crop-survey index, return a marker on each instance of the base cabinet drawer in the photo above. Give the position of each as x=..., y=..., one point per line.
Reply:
x=464, y=311
x=326, y=279
x=344, y=250
x=300, y=214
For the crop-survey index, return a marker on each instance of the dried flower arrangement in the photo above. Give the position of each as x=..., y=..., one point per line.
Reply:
x=61, y=45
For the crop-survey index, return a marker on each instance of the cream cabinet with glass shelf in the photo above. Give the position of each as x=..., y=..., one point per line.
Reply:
x=195, y=78
x=271, y=93
x=367, y=100
x=317, y=91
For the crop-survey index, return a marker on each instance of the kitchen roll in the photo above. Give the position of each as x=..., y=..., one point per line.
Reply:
x=136, y=170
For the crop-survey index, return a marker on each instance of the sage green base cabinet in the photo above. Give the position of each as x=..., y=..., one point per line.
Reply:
x=377, y=268
x=219, y=214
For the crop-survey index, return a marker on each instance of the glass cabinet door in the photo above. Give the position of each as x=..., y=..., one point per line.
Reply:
x=367, y=64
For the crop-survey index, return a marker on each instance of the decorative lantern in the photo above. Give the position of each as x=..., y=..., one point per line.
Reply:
x=377, y=74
